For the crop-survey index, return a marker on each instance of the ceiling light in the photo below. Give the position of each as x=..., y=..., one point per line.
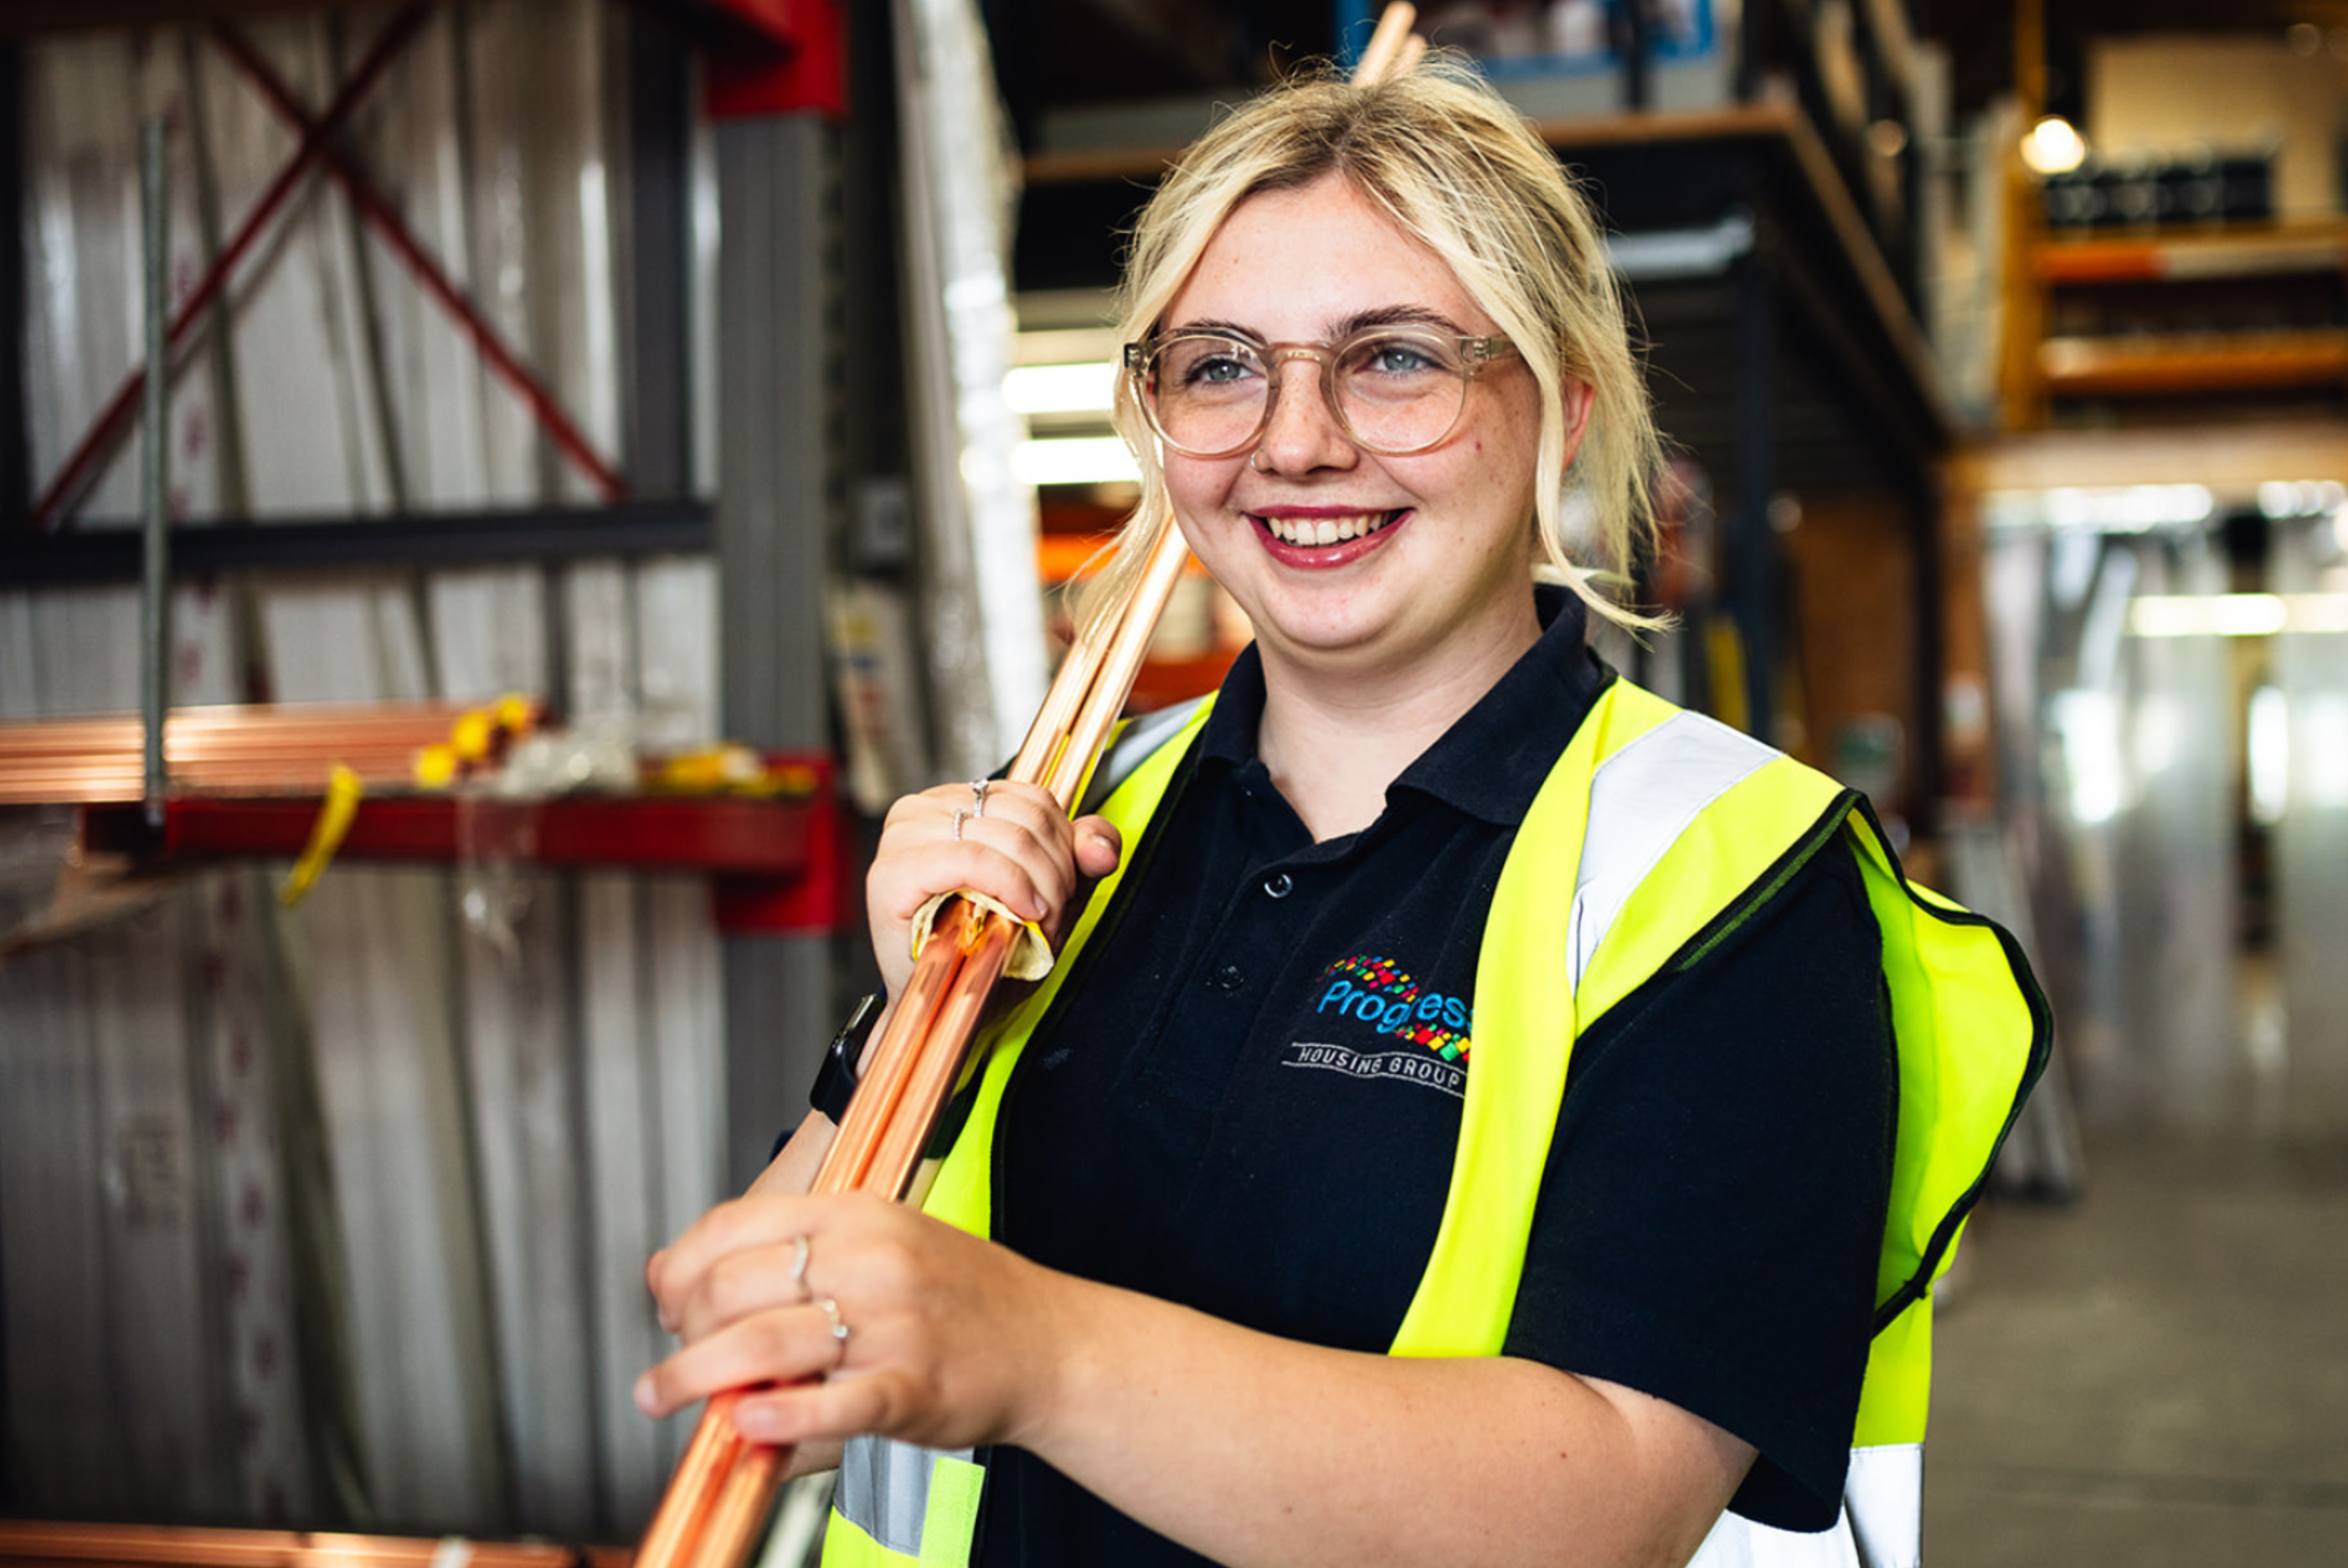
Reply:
x=1087, y=460
x=2052, y=146
x=1060, y=388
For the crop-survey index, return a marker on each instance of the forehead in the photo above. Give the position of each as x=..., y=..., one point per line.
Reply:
x=1315, y=260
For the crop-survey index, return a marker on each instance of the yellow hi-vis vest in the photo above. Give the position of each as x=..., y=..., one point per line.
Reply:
x=1670, y=828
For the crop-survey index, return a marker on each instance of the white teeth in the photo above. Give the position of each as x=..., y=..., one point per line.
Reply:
x=1325, y=530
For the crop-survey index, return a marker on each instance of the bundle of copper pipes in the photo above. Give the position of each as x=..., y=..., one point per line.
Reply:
x=243, y=750
x=724, y=1484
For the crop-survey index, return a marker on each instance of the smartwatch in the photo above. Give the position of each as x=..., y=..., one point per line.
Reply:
x=835, y=1082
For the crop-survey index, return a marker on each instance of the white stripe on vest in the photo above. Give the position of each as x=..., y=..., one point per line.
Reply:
x=1642, y=799
x=1882, y=1522
x=884, y=1489
x=1646, y=795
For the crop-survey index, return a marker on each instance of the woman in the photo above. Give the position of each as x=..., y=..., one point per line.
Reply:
x=1352, y=1200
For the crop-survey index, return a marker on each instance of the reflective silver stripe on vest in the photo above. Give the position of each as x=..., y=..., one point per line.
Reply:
x=884, y=1489
x=1883, y=1502
x=1132, y=748
x=1647, y=795
x=1882, y=1522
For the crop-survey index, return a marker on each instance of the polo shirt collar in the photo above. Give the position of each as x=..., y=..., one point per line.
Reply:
x=1493, y=761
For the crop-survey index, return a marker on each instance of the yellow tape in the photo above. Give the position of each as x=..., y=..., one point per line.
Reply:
x=342, y=803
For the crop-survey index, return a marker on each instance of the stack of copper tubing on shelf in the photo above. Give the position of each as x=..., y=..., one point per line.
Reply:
x=287, y=749
x=37, y=1543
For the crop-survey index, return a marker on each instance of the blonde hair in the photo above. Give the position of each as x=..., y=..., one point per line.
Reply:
x=1457, y=168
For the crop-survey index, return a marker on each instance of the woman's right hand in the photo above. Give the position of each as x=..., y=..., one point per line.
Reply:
x=1023, y=853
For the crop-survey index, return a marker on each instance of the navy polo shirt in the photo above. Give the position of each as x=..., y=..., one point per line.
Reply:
x=1248, y=1100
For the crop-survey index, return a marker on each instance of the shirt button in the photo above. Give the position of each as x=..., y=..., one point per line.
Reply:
x=1278, y=885
x=1231, y=977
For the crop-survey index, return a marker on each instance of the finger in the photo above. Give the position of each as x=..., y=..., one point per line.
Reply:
x=818, y=1412
x=1099, y=845
x=653, y=1266
x=782, y=1345
x=998, y=861
x=757, y=1227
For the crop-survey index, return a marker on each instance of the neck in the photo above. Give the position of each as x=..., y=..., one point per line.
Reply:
x=1334, y=740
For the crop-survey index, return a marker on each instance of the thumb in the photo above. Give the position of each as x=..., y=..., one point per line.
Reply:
x=1099, y=846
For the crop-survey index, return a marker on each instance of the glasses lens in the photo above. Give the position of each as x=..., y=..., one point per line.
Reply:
x=1207, y=392
x=1401, y=391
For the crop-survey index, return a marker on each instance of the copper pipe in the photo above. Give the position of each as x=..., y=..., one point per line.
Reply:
x=1381, y=54
x=920, y=1055
x=931, y=1078
x=1121, y=662
x=98, y=758
x=708, y=1457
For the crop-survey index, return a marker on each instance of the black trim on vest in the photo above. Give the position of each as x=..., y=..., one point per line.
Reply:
x=1767, y=885
x=2042, y=1048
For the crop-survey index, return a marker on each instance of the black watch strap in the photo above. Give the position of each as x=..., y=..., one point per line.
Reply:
x=835, y=1082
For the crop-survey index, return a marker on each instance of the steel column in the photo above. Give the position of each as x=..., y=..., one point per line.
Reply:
x=1926, y=787
x=777, y=289
x=657, y=319
x=15, y=461
x=1752, y=546
x=154, y=462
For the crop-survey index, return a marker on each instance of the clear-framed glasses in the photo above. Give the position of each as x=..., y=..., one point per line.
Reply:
x=1395, y=389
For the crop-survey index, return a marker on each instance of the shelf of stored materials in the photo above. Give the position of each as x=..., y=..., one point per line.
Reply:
x=2223, y=311
x=251, y=782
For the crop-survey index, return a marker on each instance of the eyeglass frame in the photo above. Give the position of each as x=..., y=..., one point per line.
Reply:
x=1475, y=352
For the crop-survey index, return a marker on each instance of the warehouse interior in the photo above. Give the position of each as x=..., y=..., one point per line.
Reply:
x=609, y=451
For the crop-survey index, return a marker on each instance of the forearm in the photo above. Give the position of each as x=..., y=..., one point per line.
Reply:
x=1255, y=1449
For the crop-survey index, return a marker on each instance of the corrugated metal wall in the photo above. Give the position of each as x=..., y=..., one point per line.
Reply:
x=338, y=1214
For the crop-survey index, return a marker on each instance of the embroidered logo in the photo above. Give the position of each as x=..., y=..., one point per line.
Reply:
x=1433, y=1028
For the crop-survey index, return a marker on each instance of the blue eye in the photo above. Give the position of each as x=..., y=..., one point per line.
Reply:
x=1396, y=356
x=1209, y=364
x=1215, y=368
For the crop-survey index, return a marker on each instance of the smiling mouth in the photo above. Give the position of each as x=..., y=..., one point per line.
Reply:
x=1315, y=531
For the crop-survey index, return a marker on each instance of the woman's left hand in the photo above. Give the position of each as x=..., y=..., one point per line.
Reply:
x=951, y=1339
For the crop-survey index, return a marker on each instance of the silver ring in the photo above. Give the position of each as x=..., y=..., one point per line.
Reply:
x=799, y=1267
x=978, y=790
x=1253, y=464
x=834, y=1325
x=962, y=814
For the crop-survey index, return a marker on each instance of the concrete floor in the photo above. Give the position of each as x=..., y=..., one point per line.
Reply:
x=2156, y=1376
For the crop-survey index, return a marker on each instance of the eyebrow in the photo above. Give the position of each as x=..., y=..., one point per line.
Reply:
x=1361, y=321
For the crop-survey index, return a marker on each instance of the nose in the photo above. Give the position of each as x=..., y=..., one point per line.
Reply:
x=1301, y=432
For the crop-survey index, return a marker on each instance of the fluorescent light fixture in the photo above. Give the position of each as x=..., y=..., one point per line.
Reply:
x=1081, y=460
x=2247, y=614
x=1060, y=388
x=2269, y=756
x=2127, y=510
x=2053, y=147
x=2087, y=732
x=2237, y=614
x=2300, y=498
